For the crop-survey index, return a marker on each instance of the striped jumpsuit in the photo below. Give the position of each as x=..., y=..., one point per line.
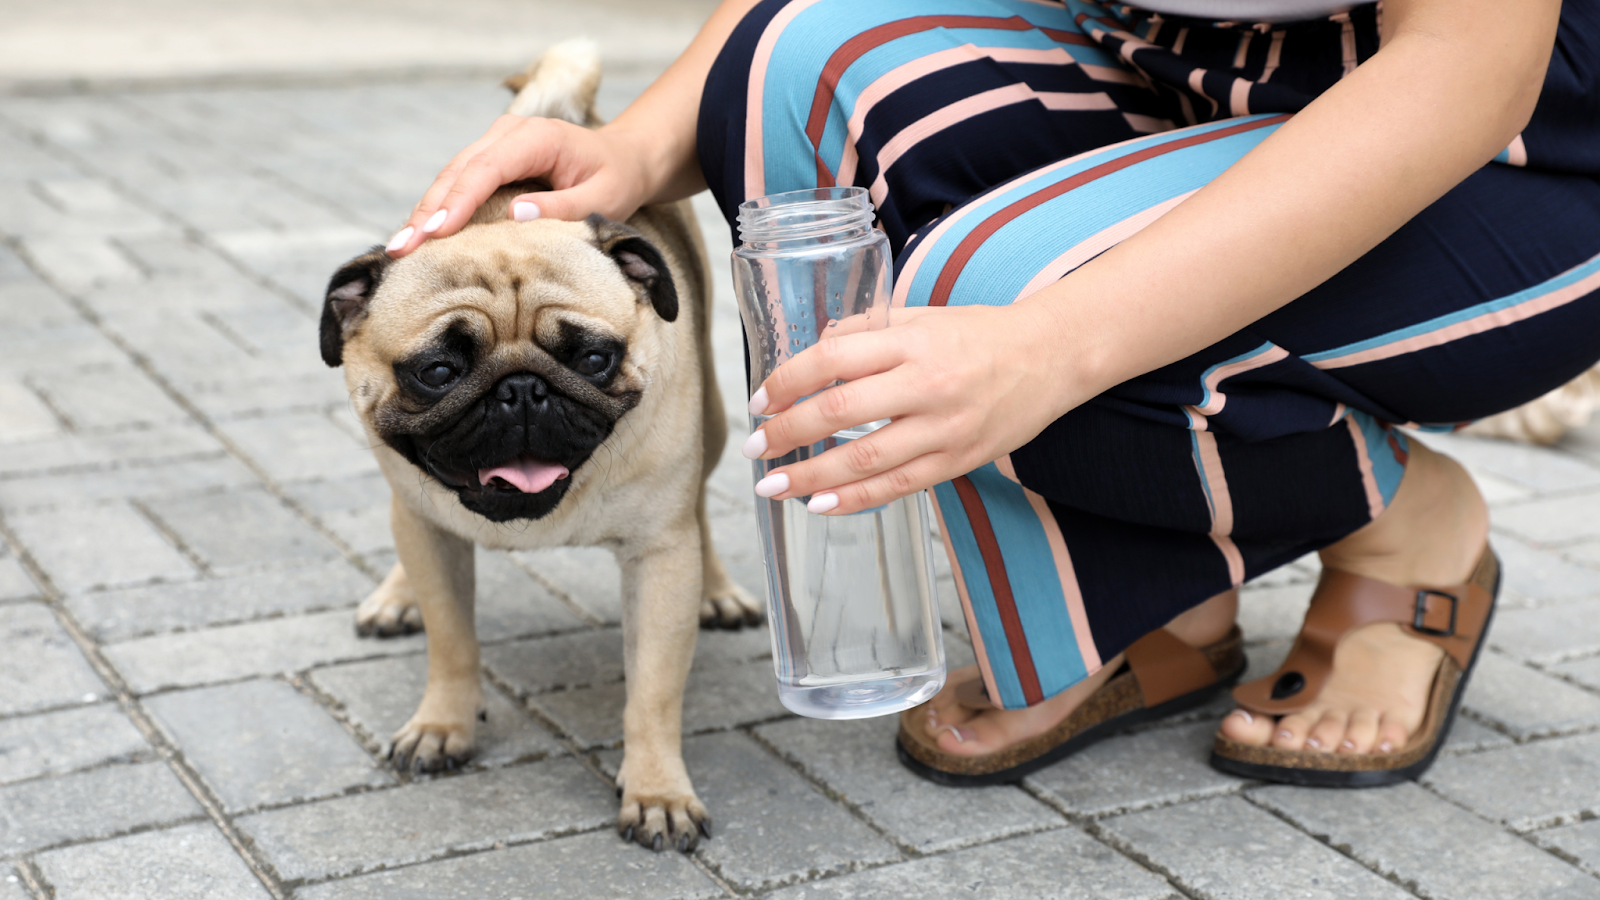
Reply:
x=1006, y=142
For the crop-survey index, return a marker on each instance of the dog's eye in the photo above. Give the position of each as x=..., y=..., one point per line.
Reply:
x=437, y=375
x=592, y=363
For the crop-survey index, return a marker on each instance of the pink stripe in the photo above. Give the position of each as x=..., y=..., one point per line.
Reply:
x=1244, y=49
x=1070, y=592
x=1475, y=325
x=1274, y=53
x=1177, y=45
x=1517, y=152
x=1147, y=124
x=1239, y=98
x=1364, y=463
x=1339, y=411
x=1006, y=469
x=1197, y=419
x=966, y=602
x=1265, y=358
x=755, y=175
x=1098, y=243
x=1209, y=461
x=1196, y=84
x=1347, y=41
x=965, y=109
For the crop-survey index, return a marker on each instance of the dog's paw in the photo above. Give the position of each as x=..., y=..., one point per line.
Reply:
x=390, y=610
x=730, y=606
x=663, y=819
x=429, y=746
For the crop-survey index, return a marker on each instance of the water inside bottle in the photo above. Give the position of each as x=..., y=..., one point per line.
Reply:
x=855, y=627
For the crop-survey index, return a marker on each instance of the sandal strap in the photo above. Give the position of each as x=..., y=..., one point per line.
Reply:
x=1167, y=668
x=1451, y=618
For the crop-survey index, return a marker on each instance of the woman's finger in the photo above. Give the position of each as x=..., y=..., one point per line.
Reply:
x=408, y=237
x=856, y=402
x=848, y=350
x=918, y=474
x=853, y=461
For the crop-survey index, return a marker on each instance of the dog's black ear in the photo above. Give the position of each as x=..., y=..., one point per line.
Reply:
x=640, y=261
x=349, y=292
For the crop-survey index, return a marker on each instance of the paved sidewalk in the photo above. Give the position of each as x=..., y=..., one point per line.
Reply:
x=188, y=517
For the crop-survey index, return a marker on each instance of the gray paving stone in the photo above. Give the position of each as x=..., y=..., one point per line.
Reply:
x=1536, y=577
x=1525, y=787
x=1470, y=736
x=41, y=667
x=300, y=447
x=856, y=759
x=1134, y=771
x=136, y=612
x=1539, y=468
x=1584, y=671
x=1553, y=520
x=177, y=257
x=422, y=821
x=193, y=862
x=511, y=603
x=1216, y=848
x=1060, y=865
x=289, y=644
x=11, y=885
x=233, y=531
x=23, y=415
x=124, y=450
x=588, y=865
x=1411, y=836
x=714, y=699
x=589, y=576
x=82, y=547
x=110, y=396
x=1579, y=843
x=56, y=348
x=735, y=538
x=251, y=397
x=262, y=742
x=589, y=658
x=1527, y=703
x=1273, y=613
x=14, y=580
x=1551, y=634
x=144, y=481
x=57, y=742
x=77, y=262
x=771, y=827
x=93, y=804
x=379, y=696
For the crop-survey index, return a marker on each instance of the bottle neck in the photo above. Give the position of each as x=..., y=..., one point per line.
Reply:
x=801, y=220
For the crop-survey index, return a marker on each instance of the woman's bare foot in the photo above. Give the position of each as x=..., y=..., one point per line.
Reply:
x=1376, y=696
x=967, y=732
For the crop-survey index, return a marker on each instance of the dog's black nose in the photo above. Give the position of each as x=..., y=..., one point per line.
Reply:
x=523, y=389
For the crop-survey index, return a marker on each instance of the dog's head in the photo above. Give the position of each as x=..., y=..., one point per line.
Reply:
x=498, y=360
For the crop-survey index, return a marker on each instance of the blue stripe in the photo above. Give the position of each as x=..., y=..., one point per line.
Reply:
x=980, y=596
x=1004, y=267
x=1035, y=584
x=877, y=63
x=1386, y=469
x=1205, y=377
x=1566, y=278
x=1200, y=470
x=801, y=52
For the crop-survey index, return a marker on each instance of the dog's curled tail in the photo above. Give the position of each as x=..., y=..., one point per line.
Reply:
x=560, y=84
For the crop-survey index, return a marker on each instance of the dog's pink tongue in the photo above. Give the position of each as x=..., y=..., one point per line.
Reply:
x=527, y=474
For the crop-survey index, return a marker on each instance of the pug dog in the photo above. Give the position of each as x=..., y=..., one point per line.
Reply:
x=546, y=384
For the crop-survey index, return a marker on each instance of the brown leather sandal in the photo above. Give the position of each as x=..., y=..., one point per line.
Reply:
x=1162, y=676
x=1452, y=618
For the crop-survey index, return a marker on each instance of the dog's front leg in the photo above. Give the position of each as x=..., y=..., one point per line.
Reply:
x=661, y=600
x=439, y=566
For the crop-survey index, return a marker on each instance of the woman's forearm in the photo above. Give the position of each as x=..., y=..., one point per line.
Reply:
x=1453, y=84
x=661, y=123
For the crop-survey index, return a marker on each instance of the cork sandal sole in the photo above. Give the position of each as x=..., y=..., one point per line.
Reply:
x=1116, y=706
x=1315, y=768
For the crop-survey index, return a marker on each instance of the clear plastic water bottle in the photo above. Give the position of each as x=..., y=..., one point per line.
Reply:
x=850, y=598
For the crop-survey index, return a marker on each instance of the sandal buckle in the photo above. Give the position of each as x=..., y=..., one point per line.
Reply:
x=1420, y=613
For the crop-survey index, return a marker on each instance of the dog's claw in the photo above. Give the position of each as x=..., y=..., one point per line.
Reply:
x=656, y=844
x=627, y=835
x=683, y=843
x=705, y=827
x=483, y=715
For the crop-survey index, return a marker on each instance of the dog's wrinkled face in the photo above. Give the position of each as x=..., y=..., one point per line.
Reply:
x=499, y=360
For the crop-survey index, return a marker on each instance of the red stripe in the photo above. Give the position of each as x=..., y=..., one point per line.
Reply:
x=969, y=244
x=853, y=49
x=1005, y=603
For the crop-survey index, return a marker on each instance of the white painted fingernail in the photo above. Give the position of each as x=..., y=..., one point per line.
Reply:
x=1347, y=745
x=434, y=221
x=957, y=732
x=755, y=444
x=773, y=485
x=523, y=211
x=1386, y=747
x=1286, y=734
x=758, y=401
x=1244, y=714
x=821, y=503
x=399, y=239
x=1313, y=743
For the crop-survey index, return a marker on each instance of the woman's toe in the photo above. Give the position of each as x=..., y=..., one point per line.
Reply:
x=1247, y=727
x=1328, y=733
x=1391, y=736
x=1292, y=730
x=1362, y=733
